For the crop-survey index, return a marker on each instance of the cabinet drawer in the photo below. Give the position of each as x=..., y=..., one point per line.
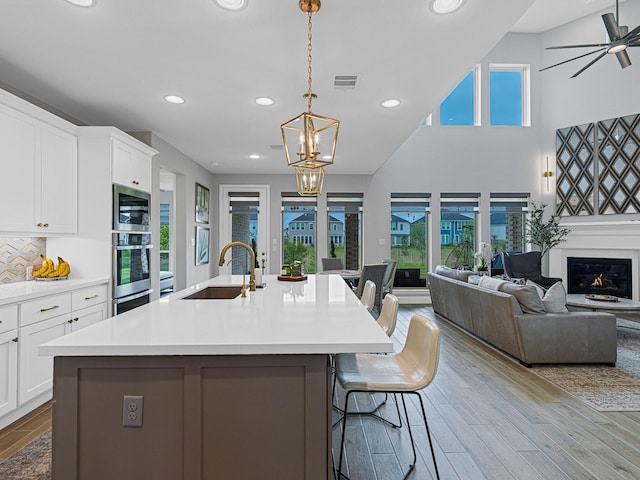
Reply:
x=89, y=296
x=8, y=318
x=46, y=307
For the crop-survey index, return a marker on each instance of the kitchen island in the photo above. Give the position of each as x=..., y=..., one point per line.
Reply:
x=231, y=388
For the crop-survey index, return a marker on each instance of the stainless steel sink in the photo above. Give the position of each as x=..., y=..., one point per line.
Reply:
x=215, y=293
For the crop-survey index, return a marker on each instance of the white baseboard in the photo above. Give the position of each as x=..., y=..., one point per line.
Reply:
x=413, y=296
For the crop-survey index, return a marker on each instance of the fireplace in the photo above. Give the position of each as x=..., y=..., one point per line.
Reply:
x=606, y=276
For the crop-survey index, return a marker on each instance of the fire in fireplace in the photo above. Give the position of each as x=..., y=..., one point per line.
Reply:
x=607, y=276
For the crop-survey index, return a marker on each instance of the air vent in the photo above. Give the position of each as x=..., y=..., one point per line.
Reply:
x=278, y=147
x=346, y=81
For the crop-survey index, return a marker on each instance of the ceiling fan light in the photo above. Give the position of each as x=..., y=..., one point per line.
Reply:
x=617, y=48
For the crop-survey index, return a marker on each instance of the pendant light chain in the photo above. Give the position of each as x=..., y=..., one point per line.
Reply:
x=309, y=94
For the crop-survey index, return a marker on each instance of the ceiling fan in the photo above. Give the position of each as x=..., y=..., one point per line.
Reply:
x=620, y=38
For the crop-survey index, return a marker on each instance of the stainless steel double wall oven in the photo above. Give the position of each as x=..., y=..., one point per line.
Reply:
x=131, y=248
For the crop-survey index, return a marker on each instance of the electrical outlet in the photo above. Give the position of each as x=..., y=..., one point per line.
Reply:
x=132, y=410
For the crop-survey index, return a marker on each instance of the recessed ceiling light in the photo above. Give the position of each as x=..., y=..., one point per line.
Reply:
x=82, y=3
x=232, y=4
x=254, y=156
x=265, y=101
x=445, y=6
x=390, y=103
x=174, y=99
x=215, y=164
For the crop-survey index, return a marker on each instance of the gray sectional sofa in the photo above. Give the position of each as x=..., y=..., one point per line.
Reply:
x=532, y=338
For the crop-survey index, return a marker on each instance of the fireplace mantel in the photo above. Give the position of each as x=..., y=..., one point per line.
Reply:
x=599, y=240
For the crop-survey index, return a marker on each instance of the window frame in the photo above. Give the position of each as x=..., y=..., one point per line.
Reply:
x=525, y=70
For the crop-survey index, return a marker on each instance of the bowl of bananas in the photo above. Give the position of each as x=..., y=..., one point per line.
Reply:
x=49, y=271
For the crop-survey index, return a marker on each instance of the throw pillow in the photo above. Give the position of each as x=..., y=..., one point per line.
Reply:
x=554, y=298
x=462, y=275
x=526, y=295
x=541, y=291
x=490, y=282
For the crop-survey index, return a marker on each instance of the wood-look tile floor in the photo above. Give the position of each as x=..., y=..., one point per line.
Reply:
x=24, y=431
x=490, y=418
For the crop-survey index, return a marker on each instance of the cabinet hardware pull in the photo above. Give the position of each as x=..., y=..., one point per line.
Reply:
x=135, y=182
x=76, y=319
x=50, y=308
x=14, y=340
x=92, y=297
x=46, y=224
x=70, y=320
x=38, y=224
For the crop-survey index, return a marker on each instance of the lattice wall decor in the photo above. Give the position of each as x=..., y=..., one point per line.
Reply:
x=575, y=170
x=599, y=161
x=619, y=165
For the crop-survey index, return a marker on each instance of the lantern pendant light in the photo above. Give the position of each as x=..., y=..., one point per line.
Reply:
x=309, y=139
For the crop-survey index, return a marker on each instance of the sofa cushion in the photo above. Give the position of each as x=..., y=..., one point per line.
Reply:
x=462, y=275
x=527, y=297
x=554, y=299
x=490, y=282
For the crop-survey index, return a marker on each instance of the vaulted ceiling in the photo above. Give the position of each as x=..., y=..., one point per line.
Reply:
x=113, y=63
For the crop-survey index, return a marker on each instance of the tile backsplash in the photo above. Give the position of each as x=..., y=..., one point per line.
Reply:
x=16, y=254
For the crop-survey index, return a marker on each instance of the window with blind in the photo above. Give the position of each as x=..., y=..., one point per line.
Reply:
x=344, y=228
x=458, y=228
x=408, y=232
x=508, y=214
x=298, y=230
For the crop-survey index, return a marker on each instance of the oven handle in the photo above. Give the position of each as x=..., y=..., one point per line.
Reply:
x=133, y=296
x=132, y=247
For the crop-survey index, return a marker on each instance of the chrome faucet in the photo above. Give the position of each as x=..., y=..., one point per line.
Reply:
x=252, y=261
x=243, y=290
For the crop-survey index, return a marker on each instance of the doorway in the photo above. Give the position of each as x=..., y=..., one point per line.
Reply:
x=244, y=217
x=167, y=232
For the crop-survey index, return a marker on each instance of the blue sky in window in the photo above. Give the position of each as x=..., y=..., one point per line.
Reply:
x=458, y=107
x=505, y=105
x=506, y=98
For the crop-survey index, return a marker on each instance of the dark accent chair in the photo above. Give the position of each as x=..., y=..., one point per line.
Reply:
x=332, y=264
x=388, y=279
x=528, y=266
x=375, y=273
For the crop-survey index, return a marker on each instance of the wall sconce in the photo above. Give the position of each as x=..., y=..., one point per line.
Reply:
x=548, y=174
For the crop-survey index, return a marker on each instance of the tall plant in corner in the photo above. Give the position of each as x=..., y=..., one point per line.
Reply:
x=544, y=234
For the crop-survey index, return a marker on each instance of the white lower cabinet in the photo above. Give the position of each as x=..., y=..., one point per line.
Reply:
x=35, y=371
x=8, y=371
x=25, y=376
x=86, y=317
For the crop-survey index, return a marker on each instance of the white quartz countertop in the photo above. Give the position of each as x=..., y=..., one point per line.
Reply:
x=28, y=290
x=317, y=316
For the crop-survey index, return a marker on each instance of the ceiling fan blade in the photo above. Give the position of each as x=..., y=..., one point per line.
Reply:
x=632, y=33
x=578, y=46
x=571, y=59
x=611, y=25
x=623, y=58
x=588, y=65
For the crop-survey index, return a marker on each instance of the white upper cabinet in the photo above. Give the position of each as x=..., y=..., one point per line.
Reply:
x=39, y=166
x=59, y=201
x=131, y=166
